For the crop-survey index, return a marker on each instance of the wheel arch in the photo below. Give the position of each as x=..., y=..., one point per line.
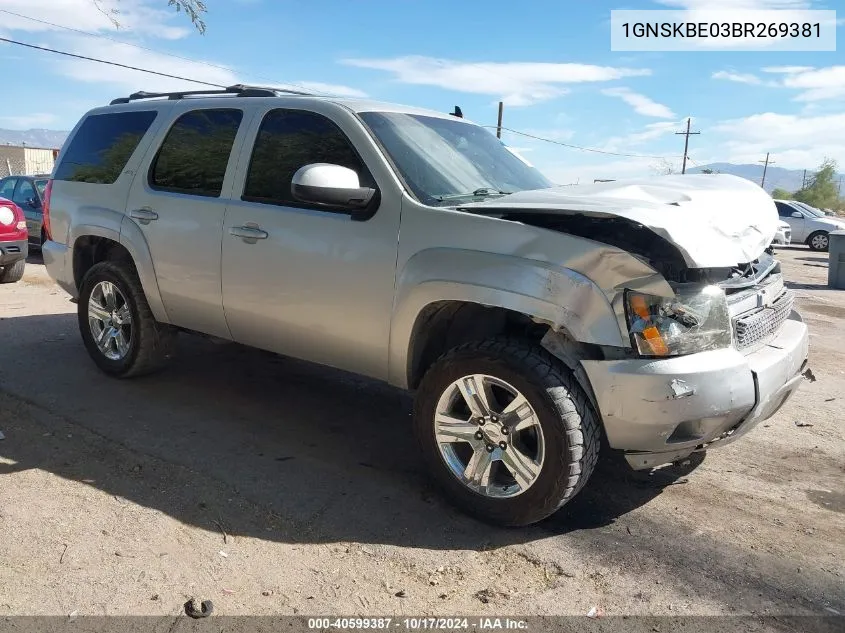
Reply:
x=455, y=297
x=810, y=237
x=93, y=244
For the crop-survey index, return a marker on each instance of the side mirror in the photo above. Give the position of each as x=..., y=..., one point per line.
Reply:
x=330, y=185
x=32, y=203
x=796, y=214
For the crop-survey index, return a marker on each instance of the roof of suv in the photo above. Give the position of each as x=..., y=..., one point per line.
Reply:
x=287, y=97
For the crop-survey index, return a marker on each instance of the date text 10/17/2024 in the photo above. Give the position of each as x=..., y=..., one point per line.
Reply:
x=419, y=624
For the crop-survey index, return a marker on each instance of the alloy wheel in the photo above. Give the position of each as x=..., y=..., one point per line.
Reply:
x=489, y=436
x=110, y=320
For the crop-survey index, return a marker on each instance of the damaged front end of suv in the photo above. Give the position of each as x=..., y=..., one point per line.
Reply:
x=712, y=343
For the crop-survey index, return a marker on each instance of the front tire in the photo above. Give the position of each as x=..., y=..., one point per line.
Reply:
x=819, y=241
x=117, y=326
x=537, y=445
x=13, y=273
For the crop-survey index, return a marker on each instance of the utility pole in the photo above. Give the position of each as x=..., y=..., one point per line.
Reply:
x=499, y=123
x=804, y=179
x=766, y=162
x=687, y=134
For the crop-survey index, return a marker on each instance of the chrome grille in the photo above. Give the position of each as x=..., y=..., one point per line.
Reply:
x=756, y=328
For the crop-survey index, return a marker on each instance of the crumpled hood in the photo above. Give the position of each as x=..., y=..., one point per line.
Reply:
x=715, y=220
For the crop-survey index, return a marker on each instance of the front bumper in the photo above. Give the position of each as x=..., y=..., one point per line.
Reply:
x=11, y=252
x=782, y=238
x=659, y=411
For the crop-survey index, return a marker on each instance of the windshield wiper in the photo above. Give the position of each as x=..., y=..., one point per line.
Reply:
x=483, y=192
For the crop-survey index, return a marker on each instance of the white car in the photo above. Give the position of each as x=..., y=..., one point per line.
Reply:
x=809, y=226
x=783, y=237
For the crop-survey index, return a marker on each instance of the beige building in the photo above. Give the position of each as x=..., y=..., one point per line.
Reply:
x=18, y=160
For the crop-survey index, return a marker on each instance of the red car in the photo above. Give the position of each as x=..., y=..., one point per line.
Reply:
x=13, y=242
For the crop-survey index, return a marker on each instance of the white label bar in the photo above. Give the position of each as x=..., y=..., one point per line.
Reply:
x=723, y=30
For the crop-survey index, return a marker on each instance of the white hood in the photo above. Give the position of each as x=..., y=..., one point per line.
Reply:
x=714, y=220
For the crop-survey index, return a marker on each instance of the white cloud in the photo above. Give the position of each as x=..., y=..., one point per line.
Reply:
x=585, y=171
x=742, y=78
x=746, y=5
x=641, y=104
x=335, y=90
x=26, y=121
x=794, y=141
x=651, y=132
x=786, y=69
x=139, y=17
x=516, y=83
x=814, y=84
x=140, y=21
x=818, y=84
x=133, y=80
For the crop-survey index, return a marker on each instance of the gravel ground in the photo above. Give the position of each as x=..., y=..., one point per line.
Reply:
x=276, y=487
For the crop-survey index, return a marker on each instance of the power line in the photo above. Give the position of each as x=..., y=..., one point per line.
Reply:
x=103, y=61
x=578, y=147
x=151, y=50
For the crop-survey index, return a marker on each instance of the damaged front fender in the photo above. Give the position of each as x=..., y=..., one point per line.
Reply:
x=561, y=297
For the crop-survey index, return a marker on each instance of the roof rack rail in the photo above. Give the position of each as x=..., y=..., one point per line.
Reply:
x=239, y=90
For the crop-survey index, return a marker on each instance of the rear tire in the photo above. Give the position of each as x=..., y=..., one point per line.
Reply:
x=145, y=346
x=568, y=432
x=819, y=241
x=13, y=273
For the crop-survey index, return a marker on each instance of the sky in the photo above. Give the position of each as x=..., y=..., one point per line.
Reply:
x=549, y=61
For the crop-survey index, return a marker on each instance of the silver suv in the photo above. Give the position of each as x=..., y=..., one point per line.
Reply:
x=536, y=324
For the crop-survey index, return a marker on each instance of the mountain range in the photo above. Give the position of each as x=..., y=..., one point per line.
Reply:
x=51, y=139
x=789, y=179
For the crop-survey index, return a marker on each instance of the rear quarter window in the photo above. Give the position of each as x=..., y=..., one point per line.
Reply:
x=102, y=146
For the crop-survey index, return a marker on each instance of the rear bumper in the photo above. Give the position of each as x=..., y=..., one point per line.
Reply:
x=659, y=411
x=11, y=252
x=56, y=260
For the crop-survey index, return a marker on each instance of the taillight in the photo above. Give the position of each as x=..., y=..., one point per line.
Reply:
x=45, y=210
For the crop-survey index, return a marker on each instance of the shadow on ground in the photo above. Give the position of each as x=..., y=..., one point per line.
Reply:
x=263, y=446
x=330, y=455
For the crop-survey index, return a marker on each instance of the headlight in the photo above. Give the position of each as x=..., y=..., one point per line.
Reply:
x=694, y=320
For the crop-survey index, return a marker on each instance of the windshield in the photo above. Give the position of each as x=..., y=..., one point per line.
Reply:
x=41, y=185
x=811, y=210
x=444, y=162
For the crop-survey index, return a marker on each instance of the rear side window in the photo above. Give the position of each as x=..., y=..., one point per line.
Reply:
x=7, y=188
x=24, y=193
x=195, y=153
x=288, y=140
x=784, y=210
x=102, y=146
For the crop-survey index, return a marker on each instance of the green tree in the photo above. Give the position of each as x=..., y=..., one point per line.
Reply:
x=781, y=194
x=821, y=192
x=707, y=170
x=194, y=9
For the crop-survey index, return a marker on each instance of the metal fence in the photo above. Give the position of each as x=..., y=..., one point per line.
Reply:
x=12, y=166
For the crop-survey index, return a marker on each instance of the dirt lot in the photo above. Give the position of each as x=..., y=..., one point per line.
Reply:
x=115, y=495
